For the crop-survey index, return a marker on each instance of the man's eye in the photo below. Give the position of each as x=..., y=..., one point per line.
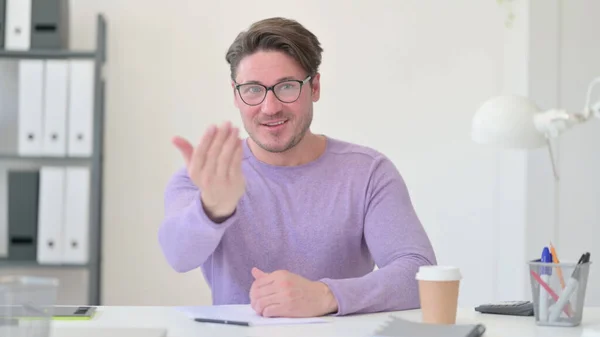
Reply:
x=255, y=89
x=289, y=86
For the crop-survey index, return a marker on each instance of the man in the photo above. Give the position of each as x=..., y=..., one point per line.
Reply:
x=289, y=221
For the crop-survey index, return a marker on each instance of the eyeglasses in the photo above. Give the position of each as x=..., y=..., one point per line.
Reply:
x=287, y=91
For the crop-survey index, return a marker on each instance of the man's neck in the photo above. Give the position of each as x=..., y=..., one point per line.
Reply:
x=308, y=149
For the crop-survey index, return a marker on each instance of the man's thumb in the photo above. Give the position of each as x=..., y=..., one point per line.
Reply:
x=185, y=148
x=257, y=273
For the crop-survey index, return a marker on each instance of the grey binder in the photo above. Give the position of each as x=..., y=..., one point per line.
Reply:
x=23, y=189
x=49, y=24
x=2, y=22
x=398, y=327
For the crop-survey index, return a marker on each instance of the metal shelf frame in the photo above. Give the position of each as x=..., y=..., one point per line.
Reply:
x=95, y=162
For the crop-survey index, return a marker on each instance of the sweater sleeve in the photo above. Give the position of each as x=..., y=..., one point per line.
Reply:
x=398, y=244
x=187, y=236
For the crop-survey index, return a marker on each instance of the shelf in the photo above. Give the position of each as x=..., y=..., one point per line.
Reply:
x=4, y=263
x=44, y=161
x=46, y=54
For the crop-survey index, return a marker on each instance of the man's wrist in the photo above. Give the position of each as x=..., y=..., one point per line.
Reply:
x=216, y=216
x=329, y=301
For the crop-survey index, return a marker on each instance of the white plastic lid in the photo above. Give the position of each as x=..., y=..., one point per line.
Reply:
x=438, y=273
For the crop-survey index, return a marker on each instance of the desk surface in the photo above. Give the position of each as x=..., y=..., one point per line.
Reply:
x=178, y=325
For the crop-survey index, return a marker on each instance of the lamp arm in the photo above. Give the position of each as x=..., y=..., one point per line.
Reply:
x=587, y=109
x=553, y=122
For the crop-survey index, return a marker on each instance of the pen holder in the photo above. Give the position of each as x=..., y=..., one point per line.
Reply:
x=26, y=305
x=558, y=291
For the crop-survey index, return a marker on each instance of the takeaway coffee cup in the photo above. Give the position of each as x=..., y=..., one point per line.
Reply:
x=438, y=292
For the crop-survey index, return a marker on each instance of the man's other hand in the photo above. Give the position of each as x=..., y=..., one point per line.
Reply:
x=284, y=294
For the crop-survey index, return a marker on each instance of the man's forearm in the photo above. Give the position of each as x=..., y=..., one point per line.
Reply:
x=188, y=236
x=392, y=287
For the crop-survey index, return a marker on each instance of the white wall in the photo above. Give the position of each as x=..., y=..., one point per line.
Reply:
x=402, y=77
x=579, y=204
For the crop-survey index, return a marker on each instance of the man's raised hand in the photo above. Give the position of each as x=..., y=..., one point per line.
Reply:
x=215, y=167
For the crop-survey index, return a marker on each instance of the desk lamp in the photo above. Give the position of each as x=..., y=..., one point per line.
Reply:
x=512, y=121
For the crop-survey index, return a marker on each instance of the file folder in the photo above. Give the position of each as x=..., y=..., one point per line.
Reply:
x=9, y=106
x=3, y=213
x=18, y=25
x=77, y=203
x=30, y=100
x=51, y=215
x=81, y=108
x=49, y=24
x=2, y=22
x=55, y=108
x=22, y=214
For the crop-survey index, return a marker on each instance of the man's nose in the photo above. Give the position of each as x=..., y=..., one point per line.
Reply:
x=271, y=105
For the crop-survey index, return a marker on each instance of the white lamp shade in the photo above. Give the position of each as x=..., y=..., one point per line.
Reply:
x=507, y=121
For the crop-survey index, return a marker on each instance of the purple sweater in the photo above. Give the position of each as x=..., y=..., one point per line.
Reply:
x=330, y=220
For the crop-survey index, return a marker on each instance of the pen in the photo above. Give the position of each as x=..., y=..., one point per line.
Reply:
x=569, y=290
x=545, y=275
x=221, y=321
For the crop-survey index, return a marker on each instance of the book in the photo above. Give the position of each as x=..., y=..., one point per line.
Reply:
x=398, y=327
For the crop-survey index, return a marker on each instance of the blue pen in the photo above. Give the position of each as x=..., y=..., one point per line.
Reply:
x=545, y=273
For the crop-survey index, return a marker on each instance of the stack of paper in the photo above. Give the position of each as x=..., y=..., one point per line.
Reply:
x=241, y=314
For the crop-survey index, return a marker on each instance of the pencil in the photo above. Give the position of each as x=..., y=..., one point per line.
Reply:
x=555, y=260
x=558, y=269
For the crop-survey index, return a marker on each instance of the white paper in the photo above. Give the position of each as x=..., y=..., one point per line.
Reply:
x=242, y=313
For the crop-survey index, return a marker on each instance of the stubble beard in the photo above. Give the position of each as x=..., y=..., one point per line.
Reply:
x=294, y=140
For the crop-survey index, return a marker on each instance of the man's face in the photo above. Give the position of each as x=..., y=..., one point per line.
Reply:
x=273, y=125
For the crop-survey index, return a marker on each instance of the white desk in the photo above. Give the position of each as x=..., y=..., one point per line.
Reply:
x=179, y=325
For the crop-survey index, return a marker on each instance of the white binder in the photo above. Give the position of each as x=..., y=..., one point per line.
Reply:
x=18, y=25
x=3, y=212
x=55, y=108
x=31, y=86
x=51, y=215
x=81, y=108
x=77, y=203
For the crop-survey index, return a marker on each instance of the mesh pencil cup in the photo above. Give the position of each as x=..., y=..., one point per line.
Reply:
x=26, y=305
x=558, y=292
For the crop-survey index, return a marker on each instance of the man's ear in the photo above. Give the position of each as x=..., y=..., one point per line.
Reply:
x=316, y=87
x=235, y=101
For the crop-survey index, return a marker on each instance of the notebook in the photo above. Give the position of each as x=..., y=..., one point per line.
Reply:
x=398, y=327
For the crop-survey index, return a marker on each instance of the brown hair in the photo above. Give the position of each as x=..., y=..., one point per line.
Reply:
x=277, y=34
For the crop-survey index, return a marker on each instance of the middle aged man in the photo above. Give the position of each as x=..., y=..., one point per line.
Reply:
x=290, y=221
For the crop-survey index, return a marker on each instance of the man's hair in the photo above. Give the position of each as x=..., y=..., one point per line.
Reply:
x=277, y=34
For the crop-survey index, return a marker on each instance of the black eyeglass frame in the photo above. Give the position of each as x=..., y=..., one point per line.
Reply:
x=271, y=88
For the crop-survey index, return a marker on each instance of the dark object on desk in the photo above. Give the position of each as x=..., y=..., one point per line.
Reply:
x=513, y=308
x=398, y=327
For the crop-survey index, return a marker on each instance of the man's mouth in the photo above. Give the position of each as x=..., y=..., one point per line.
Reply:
x=274, y=123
